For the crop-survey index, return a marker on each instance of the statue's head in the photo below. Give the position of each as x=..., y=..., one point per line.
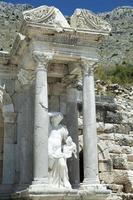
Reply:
x=55, y=118
x=69, y=141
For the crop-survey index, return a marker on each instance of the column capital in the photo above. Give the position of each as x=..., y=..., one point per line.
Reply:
x=88, y=66
x=42, y=58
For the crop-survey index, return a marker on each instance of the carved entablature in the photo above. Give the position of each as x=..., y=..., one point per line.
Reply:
x=85, y=19
x=47, y=16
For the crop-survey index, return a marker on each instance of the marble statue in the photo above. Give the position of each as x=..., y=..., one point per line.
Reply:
x=60, y=148
x=69, y=148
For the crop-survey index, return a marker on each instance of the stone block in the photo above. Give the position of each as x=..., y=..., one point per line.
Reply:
x=109, y=136
x=114, y=197
x=105, y=127
x=120, y=161
x=122, y=128
x=115, y=177
x=120, y=177
x=130, y=165
x=115, y=188
x=130, y=157
x=123, y=140
x=113, y=148
x=126, y=150
x=105, y=165
x=112, y=117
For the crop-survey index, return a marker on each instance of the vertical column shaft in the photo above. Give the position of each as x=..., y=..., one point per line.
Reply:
x=40, y=146
x=41, y=126
x=89, y=127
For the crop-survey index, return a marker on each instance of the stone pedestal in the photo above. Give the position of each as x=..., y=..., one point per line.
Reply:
x=89, y=125
x=40, y=144
x=72, y=125
x=9, y=149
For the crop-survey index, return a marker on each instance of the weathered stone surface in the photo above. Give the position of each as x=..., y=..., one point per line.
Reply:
x=105, y=165
x=105, y=127
x=113, y=148
x=114, y=197
x=106, y=136
x=120, y=161
x=126, y=149
x=115, y=188
x=130, y=157
x=120, y=177
x=130, y=165
x=125, y=140
x=113, y=117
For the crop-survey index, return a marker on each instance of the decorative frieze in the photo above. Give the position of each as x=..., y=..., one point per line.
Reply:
x=85, y=19
x=46, y=15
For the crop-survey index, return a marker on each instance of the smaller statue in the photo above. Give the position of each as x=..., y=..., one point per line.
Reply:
x=60, y=148
x=69, y=148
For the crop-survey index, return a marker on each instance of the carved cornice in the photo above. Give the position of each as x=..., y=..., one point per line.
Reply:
x=42, y=59
x=88, y=66
x=85, y=19
x=46, y=15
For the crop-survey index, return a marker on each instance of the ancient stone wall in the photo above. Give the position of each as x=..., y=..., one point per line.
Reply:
x=115, y=133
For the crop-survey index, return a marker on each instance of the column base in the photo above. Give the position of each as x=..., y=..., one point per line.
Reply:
x=95, y=188
x=38, y=186
x=88, y=181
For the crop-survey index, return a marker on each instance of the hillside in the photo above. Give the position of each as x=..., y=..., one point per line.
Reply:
x=118, y=48
x=10, y=18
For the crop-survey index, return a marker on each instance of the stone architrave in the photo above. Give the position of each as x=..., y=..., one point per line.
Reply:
x=9, y=148
x=72, y=125
x=40, y=144
x=89, y=125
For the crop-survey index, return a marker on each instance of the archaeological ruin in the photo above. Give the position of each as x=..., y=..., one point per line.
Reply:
x=58, y=141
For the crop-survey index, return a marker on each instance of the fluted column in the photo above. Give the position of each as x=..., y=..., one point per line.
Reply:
x=89, y=125
x=40, y=136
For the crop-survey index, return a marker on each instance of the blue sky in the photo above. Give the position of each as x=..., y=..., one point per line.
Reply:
x=68, y=6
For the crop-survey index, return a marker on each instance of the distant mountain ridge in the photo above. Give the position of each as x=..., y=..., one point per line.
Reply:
x=10, y=20
x=117, y=49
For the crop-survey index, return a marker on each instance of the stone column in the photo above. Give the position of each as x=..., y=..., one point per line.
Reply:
x=89, y=125
x=9, y=148
x=72, y=125
x=40, y=136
